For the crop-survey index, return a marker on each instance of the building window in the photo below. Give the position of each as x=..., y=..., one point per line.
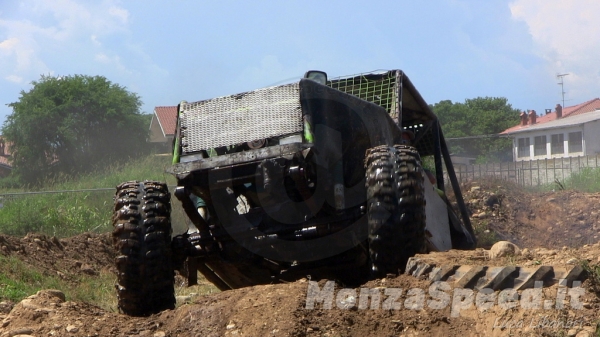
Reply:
x=523, y=147
x=557, y=144
x=575, y=143
x=539, y=146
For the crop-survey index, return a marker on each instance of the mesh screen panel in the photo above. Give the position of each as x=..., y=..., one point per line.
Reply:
x=382, y=89
x=241, y=118
x=376, y=88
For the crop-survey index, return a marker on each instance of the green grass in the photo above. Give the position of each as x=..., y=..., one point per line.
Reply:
x=484, y=240
x=147, y=168
x=62, y=214
x=71, y=213
x=19, y=280
x=587, y=180
x=98, y=290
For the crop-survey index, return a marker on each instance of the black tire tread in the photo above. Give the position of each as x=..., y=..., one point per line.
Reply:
x=142, y=238
x=395, y=207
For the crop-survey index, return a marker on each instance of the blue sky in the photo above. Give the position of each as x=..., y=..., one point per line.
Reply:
x=168, y=51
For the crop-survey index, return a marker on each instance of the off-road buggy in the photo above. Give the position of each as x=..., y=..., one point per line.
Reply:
x=318, y=178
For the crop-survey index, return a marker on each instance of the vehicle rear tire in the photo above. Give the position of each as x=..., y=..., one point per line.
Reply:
x=395, y=207
x=142, y=238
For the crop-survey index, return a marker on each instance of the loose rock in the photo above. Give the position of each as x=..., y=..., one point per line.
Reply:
x=72, y=329
x=503, y=248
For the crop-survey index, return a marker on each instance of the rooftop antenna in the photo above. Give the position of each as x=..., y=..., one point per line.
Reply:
x=562, y=86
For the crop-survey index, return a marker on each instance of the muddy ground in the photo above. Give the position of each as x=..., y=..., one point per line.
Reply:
x=553, y=228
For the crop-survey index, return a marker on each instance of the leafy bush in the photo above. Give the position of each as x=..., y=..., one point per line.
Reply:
x=10, y=182
x=71, y=124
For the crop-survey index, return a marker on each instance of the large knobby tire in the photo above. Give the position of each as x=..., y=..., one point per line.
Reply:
x=395, y=207
x=142, y=238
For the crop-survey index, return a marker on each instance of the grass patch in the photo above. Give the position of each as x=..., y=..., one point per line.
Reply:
x=586, y=180
x=486, y=237
x=151, y=167
x=201, y=289
x=71, y=213
x=19, y=280
x=148, y=168
x=61, y=214
x=97, y=290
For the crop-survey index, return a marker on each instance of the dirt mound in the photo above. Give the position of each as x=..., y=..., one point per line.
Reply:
x=532, y=219
x=280, y=310
x=67, y=258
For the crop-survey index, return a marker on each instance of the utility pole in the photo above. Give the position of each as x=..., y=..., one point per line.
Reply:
x=562, y=87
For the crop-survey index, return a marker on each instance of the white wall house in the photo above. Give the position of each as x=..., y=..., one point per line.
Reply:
x=577, y=135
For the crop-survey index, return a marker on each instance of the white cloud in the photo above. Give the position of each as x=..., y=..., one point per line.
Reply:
x=72, y=37
x=9, y=45
x=112, y=61
x=42, y=32
x=102, y=58
x=120, y=13
x=567, y=35
x=95, y=41
x=14, y=78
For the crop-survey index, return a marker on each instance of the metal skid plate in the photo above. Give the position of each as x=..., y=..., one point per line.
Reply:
x=241, y=118
x=436, y=213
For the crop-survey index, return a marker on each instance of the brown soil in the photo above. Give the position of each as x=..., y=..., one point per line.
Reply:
x=555, y=227
x=551, y=219
x=66, y=258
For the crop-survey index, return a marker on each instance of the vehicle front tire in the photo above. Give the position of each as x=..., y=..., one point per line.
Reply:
x=395, y=207
x=142, y=239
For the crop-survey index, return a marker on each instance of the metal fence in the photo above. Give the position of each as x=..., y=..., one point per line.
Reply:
x=529, y=173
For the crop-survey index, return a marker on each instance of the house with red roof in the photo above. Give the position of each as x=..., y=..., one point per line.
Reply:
x=565, y=132
x=162, y=127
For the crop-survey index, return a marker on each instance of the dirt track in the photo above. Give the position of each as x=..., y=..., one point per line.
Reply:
x=557, y=228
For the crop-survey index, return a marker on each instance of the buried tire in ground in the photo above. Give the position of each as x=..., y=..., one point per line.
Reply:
x=395, y=207
x=142, y=238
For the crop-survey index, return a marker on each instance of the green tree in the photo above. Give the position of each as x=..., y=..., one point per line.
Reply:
x=66, y=125
x=476, y=117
